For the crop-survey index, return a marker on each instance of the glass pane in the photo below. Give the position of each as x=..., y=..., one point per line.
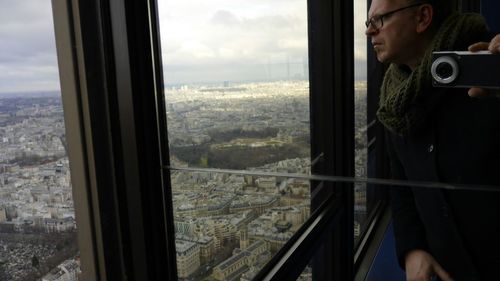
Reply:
x=242, y=126
x=438, y=135
x=236, y=75
x=237, y=97
x=360, y=118
x=37, y=217
x=230, y=225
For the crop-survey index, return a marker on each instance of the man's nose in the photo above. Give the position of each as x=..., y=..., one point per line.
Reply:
x=370, y=30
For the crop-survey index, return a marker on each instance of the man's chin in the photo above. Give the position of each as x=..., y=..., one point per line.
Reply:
x=382, y=59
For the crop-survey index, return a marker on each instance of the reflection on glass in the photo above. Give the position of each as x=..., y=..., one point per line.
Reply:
x=37, y=218
x=360, y=119
x=237, y=97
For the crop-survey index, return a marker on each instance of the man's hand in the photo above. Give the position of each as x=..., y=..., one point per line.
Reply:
x=494, y=47
x=421, y=266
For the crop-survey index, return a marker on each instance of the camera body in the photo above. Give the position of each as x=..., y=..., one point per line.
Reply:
x=462, y=69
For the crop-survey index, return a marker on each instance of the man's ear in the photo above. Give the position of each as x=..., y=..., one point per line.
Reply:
x=424, y=17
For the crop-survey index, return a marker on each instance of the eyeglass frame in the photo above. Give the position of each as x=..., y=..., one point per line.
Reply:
x=371, y=21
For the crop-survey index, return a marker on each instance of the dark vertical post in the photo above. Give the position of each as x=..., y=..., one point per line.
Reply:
x=331, y=49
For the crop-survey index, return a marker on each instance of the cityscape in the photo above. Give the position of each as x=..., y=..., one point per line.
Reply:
x=37, y=221
x=228, y=226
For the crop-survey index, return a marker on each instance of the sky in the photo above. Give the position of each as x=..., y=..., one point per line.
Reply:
x=28, y=60
x=202, y=41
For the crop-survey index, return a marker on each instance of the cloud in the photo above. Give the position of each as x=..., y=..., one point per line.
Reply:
x=360, y=41
x=235, y=38
x=256, y=35
x=224, y=18
x=243, y=33
x=28, y=59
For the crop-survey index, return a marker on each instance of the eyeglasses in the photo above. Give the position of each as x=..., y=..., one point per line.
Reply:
x=378, y=21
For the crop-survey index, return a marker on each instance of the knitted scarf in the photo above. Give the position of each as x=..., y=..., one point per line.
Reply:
x=407, y=98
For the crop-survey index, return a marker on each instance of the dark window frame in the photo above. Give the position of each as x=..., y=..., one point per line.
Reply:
x=116, y=91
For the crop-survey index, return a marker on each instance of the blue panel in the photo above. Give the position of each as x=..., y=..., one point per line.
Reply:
x=490, y=10
x=385, y=266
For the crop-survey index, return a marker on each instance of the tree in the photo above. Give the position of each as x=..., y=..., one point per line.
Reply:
x=35, y=262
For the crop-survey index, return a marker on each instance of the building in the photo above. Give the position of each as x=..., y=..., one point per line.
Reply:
x=267, y=183
x=3, y=215
x=66, y=271
x=188, y=258
x=241, y=261
x=59, y=225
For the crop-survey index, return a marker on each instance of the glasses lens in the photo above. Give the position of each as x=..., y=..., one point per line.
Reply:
x=375, y=22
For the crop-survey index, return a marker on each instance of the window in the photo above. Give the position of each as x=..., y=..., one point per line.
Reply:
x=137, y=179
x=38, y=230
x=361, y=122
x=370, y=200
x=131, y=179
x=237, y=98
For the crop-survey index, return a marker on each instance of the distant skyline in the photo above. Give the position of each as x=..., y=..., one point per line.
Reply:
x=241, y=40
x=202, y=41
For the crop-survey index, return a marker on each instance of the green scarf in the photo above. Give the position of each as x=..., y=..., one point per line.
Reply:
x=407, y=98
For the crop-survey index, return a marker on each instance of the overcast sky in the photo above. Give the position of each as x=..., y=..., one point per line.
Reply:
x=28, y=60
x=202, y=41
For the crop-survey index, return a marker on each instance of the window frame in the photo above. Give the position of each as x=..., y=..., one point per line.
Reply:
x=68, y=76
x=111, y=88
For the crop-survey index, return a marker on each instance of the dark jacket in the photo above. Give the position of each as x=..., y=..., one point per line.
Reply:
x=461, y=229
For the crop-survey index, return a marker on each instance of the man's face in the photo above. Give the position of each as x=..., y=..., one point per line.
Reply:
x=394, y=42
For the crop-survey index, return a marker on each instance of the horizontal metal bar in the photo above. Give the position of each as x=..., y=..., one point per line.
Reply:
x=377, y=181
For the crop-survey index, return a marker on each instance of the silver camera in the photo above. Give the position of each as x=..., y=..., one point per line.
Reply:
x=466, y=69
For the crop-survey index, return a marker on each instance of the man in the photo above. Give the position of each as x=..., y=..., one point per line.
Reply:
x=437, y=134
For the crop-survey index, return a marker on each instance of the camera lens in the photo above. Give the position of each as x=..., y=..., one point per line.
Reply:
x=444, y=70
